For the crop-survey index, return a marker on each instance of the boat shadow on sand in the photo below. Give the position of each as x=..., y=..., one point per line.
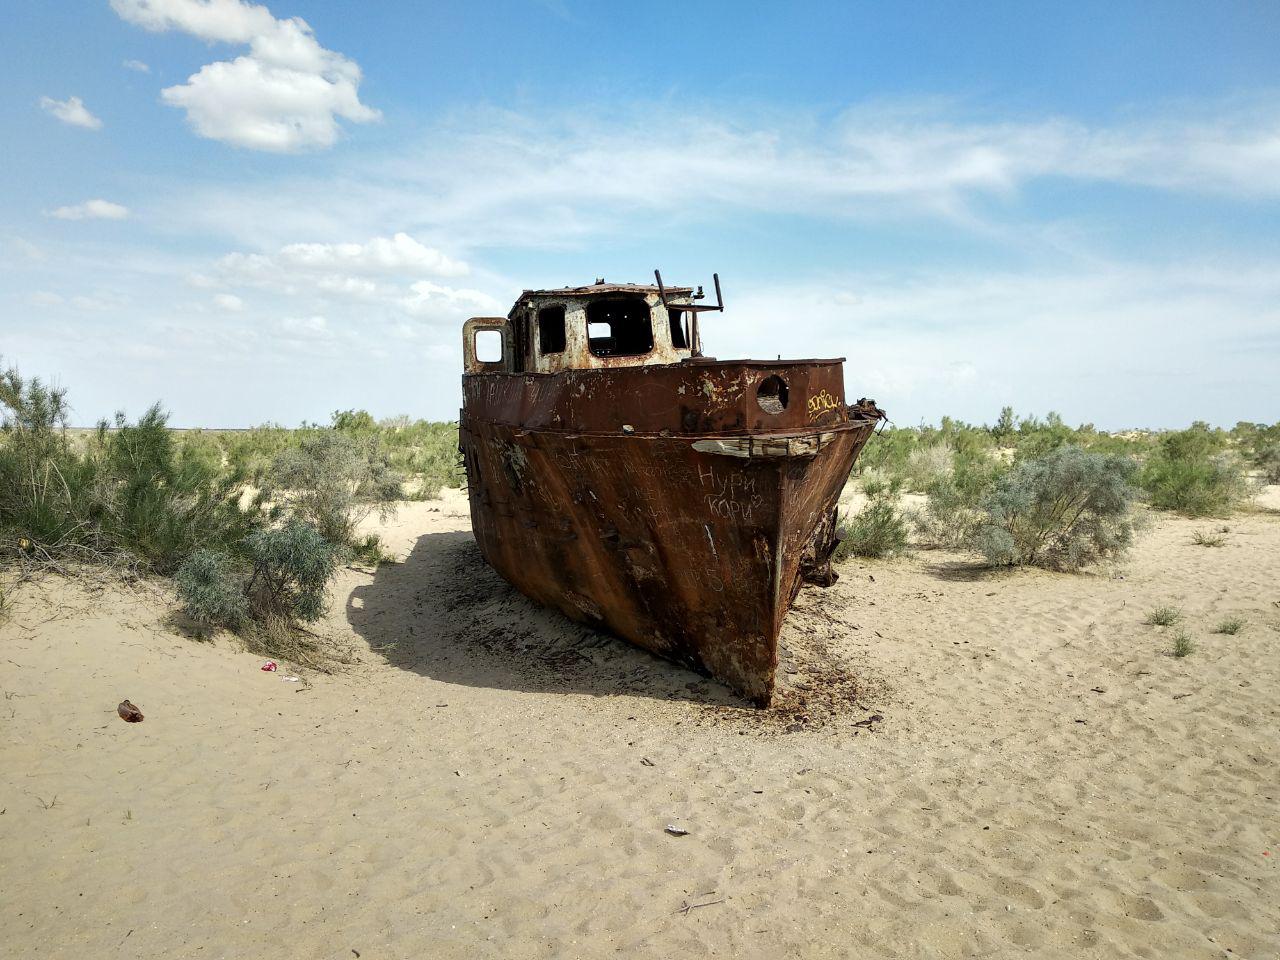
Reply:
x=444, y=613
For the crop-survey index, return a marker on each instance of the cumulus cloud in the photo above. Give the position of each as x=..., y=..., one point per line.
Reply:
x=137, y=66
x=229, y=302
x=381, y=279
x=429, y=300
x=92, y=210
x=398, y=254
x=342, y=268
x=71, y=111
x=286, y=94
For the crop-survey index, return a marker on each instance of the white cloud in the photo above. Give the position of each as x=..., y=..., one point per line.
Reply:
x=555, y=181
x=432, y=301
x=92, y=210
x=137, y=66
x=371, y=272
x=1107, y=342
x=229, y=302
x=71, y=111
x=377, y=282
x=398, y=254
x=43, y=298
x=285, y=94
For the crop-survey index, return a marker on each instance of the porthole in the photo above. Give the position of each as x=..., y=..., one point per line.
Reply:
x=772, y=394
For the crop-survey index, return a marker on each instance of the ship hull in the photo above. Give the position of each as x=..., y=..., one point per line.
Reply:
x=691, y=546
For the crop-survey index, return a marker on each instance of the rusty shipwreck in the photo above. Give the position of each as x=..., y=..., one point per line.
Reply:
x=619, y=475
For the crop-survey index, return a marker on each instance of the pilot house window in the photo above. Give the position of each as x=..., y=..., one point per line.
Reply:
x=619, y=328
x=676, y=319
x=551, y=330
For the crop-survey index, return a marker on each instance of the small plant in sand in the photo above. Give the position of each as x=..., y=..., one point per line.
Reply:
x=878, y=530
x=1230, y=625
x=1064, y=511
x=1201, y=539
x=1183, y=645
x=1163, y=617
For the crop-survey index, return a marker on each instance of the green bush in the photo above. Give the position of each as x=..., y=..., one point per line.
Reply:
x=212, y=590
x=950, y=517
x=292, y=566
x=281, y=577
x=128, y=494
x=878, y=530
x=1268, y=461
x=334, y=479
x=877, y=483
x=1192, y=473
x=928, y=464
x=1063, y=511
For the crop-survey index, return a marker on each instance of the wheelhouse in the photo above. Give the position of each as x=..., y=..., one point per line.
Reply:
x=583, y=328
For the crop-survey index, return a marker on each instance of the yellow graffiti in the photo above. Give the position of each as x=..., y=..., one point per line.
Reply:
x=820, y=403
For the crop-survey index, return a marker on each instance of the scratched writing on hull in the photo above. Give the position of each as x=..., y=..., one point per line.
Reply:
x=731, y=496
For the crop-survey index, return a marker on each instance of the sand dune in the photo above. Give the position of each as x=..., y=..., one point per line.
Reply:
x=487, y=779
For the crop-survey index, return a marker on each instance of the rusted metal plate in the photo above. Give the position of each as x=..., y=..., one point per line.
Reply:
x=699, y=397
x=655, y=512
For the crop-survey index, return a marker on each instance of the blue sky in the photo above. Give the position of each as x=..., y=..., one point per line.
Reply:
x=264, y=213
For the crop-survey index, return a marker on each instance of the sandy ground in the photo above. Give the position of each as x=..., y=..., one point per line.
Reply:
x=1011, y=765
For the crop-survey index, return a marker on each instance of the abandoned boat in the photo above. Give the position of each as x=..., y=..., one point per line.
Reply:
x=619, y=475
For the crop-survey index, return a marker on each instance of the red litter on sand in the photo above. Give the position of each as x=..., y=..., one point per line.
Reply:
x=269, y=666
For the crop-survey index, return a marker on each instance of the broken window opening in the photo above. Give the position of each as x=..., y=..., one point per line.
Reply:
x=678, y=338
x=619, y=328
x=489, y=346
x=551, y=337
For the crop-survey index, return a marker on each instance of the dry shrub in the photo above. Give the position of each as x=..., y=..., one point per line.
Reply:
x=1064, y=511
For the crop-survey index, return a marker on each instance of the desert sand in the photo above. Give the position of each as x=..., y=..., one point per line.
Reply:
x=965, y=763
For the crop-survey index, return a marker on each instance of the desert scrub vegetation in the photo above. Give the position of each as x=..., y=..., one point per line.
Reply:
x=277, y=579
x=1182, y=645
x=951, y=515
x=878, y=530
x=1193, y=473
x=137, y=497
x=334, y=479
x=1163, y=616
x=1230, y=625
x=1202, y=539
x=1064, y=511
x=424, y=453
x=127, y=496
x=1267, y=460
